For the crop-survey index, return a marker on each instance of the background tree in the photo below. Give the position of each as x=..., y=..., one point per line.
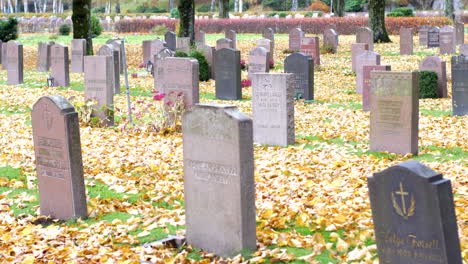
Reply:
x=187, y=19
x=81, y=18
x=223, y=8
x=377, y=20
x=338, y=7
x=449, y=9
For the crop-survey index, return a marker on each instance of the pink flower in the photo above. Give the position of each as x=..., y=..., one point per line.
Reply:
x=180, y=94
x=155, y=92
x=159, y=97
x=169, y=103
x=142, y=65
x=134, y=75
x=246, y=83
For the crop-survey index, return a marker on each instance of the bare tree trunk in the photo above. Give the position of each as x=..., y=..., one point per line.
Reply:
x=171, y=5
x=240, y=6
x=223, y=8
x=108, y=7
x=377, y=20
x=35, y=7
x=26, y=7
x=10, y=7
x=44, y=10
x=117, y=7
x=213, y=4
x=338, y=7
x=294, y=5
x=54, y=6
x=236, y=6
x=82, y=23
x=187, y=19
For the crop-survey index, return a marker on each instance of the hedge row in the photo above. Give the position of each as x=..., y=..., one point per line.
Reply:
x=346, y=25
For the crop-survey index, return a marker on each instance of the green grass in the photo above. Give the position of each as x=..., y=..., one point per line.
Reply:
x=103, y=191
x=427, y=112
x=12, y=173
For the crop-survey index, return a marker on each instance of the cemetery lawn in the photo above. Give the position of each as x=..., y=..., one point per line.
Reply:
x=311, y=198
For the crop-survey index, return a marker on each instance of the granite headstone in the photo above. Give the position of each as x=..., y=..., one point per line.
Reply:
x=258, y=61
x=366, y=86
x=356, y=50
x=311, y=46
x=14, y=62
x=170, y=39
x=295, y=36
x=231, y=34
x=447, y=40
x=108, y=50
x=78, y=51
x=366, y=58
x=460, y=85
x=433, y=37
x=60, y=69
x=228, y=74
x=365, y=35
x=302, y=67
x=406, y=41
x=434, y=63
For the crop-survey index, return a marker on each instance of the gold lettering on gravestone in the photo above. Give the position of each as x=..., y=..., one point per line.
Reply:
x=403, y=210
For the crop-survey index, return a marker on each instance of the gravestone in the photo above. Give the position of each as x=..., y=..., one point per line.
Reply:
x=406, y=41
x=460, y=85
x=60, y=70
x=423, y=35
x=311, y=46
x=174, y=75
x=231, y=34
x=156, y=46
x=228, y=74
x=14, y=62
x=98, y=82
x=414, y=215
x=459, y=33
x=223, y=43
x=108, y=50
x=433, y=37
x=146, y=51
x=447, y=40
x=464, y=49
x=302, y=67
x=295, y=36
x=266, y=43
x=268, y=33
x=170, y=39
x=59, y=165
x=356, y=50
x=365, y=35
x=258, y=61
x=118, y=46
x=366, y=86
x=219, y=187
x=78, y=51
x=394, y=116
x=330, y=38
x=43, y=56
x=200, y=37
x=208, y=52
x=183, y=44
x=434, y=63
x=366, y=58
x=273, y=108
x=4, y=56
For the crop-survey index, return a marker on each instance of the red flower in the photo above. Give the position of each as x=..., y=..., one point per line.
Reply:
x=134, y=75
x=246, y=83
x=169, y=103
x=159, y=97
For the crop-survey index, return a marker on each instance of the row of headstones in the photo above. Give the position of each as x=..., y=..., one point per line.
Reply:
x=412, y=206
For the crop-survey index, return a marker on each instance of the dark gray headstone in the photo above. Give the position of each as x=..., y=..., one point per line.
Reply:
x=268, y=33
x=433, y=37
x=219, y=188
x=170, y=39
x=414, y=215
x=146, y=45
x=108, y=50
x=228, y=74
x=59, y=165
x=460, y=85
x=302, y=66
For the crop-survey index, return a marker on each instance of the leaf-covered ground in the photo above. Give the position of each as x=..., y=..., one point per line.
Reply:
x=311, y=197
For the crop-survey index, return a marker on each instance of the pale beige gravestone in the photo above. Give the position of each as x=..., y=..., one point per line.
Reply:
x=434, y=63
x=146, y=45
x=219, y=187
x=156, y=46
x=118, y=46
x=268, y=33
x=43, y=56
x=183, y=44
x=99, y=80
x=394, y=112
x=273, y=108
x=108, y=50
x=14, y=58
x=356, y=50
x=258, y=61
x=365, y=35
x=295, y=36
x=406, y=41
x=78, y=51
x=231, y=34
x=311, y=46
x=266, y=43
x=330, y=38
x=423, y=35
x=59, y=166
x=174, y=75
x=223, y=43
x=366, y=58
x=447, y=40
x=60, y=65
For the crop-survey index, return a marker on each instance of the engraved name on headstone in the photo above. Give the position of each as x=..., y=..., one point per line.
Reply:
x=433, y=37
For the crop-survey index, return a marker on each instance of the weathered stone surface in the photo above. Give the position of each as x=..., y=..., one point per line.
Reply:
x=406, y=41
x=273, y=108
x=175, y=75
x=228, y=74
x=219, y=188
x=269, y=33
x=108, y=50
x=295, y=36
x=78, y=51
x=311, y=46
x=356, y=50
x=157, y=46
x=366, y=58
x=433, y=37
x=99, y=80
x=266, y=43
x=231, y=34
x=394, y=112
x=60, y=65
x=146, y=51
x=459, y=33
x=223, y=43
x=423, y=35
x=447, y=40
x=183, y=44
x=414, y=215
x=59, y=166
x=330, y=38
x=434, y=63
x=464, y=49
x=302, y=67
x=118, y=46
x=200, y=37
x=460, y=85
x=43, y=56
x=14, y=62
x=258, y=61
x=365, y=35
x=170, y=39
x=366, y=86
